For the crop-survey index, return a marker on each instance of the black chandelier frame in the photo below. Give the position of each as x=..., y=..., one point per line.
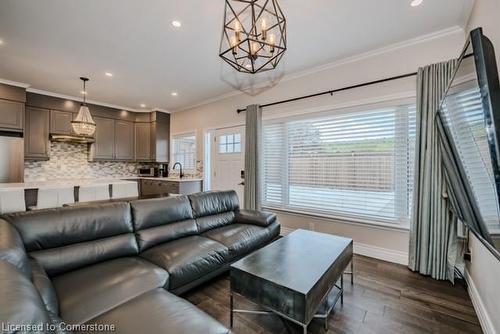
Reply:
x=243, y=54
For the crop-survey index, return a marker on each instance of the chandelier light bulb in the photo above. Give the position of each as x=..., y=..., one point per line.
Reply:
x=234, y=45
x=272, y=41
x=254, y=48
x=237, y=30
x=263, y=28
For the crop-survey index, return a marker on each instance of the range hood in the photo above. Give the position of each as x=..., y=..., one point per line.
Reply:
x=72, y=139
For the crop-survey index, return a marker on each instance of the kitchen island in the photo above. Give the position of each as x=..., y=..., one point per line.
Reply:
x=147, y=186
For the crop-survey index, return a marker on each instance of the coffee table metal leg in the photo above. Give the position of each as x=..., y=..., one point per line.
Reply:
x=231, y=310
x=352, y=272
x=304, y=329
x=342, y=289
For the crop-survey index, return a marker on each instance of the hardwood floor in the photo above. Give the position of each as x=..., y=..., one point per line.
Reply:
x=385, y=298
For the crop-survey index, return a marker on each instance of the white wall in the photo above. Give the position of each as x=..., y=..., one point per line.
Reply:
x=391, y=244
x=484, y=269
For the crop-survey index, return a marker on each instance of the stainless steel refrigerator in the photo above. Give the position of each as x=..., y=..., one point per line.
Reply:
x=11, y=158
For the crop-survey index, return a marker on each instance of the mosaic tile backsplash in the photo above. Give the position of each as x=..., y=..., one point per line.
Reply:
x=69, y=160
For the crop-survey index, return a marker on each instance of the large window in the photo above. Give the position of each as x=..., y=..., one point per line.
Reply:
x=184, y=150
x=464, y=113
x=356, y=163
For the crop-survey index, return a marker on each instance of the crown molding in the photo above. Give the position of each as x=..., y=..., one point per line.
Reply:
x=210, y=100
x=161, y=110
x=74, y=98
x=344, y=61
x=79, y=99
x=14, y=83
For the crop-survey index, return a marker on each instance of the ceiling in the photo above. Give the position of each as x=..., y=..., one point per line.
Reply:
x=49, y=44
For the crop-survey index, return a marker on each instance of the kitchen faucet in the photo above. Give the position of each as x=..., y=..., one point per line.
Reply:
x=180, y=169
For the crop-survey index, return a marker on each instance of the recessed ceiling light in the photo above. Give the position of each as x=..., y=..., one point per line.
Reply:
x=416, y=3
x=174, y=93
x=83, y=92
x=1, y=41
x=108, y=74
x=143, y=105
x=176, y=24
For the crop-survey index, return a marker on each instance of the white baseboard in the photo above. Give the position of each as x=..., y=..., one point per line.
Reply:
x=286, y=230
x=482, y=314
x=380, y=253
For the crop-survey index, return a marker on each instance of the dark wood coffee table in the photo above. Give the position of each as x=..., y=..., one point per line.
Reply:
x=295, y=277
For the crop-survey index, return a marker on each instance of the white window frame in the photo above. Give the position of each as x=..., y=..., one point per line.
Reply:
x=326, y=111
x=173, y=159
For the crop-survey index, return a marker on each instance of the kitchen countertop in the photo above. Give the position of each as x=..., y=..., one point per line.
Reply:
x=173, y=179
x=80, y=182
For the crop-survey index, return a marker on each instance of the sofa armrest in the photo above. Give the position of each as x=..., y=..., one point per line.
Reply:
x=12, y=248
x=44, y=286
x=259, y=218
x=21, y=303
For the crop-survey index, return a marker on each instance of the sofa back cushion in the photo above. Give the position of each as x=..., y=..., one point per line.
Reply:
x=65, y=239
x=162, y=219
x=214, y=209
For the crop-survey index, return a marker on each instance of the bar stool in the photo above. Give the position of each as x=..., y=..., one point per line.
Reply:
x=93, y=192
x=12, y=200
x=54, y=197
x=125, y=189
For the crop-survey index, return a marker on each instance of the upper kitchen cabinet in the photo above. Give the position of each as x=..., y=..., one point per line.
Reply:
x=36, y=134
x=12, y=100
x=124, y=140
x=11, y=115
x=143, y=142
x=60, y=122
x=104, y=146
x=152, y=138
x=160, y=136
x=114, y=140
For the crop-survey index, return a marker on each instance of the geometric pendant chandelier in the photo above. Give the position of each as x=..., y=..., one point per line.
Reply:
x=253, y=36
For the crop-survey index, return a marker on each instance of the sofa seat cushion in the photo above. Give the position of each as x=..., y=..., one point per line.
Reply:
x=159, y=311
x=187, y=259
x=90, y=291
x=242, y=239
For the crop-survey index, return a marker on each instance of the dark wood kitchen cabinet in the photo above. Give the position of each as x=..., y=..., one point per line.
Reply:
x=163, y=186
x=143, y=141
x=60, y=122
x=160, y=137
x=124, y=140
x=11, y=115
x=36, y=134
x=114, y=140
x=104, y=146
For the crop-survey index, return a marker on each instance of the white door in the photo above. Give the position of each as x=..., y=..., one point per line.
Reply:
x=228, y=160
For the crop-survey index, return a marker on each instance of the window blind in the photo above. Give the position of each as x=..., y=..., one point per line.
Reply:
x=352, y=164
x=184, y=150
x=464, y=115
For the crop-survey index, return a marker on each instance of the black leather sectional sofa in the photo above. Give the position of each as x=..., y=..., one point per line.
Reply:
x=123, y=264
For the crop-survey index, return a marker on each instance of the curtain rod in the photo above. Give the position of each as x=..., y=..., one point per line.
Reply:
x=330, y=92
x=342, y=89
